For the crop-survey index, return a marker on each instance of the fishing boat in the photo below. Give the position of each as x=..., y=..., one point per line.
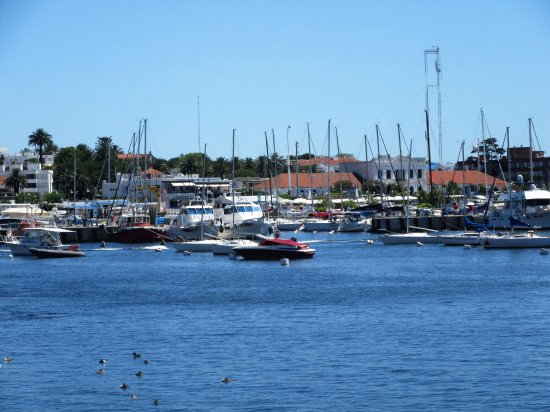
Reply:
x=134, y=228
x=275, y=248
x=48, y=238
x=55, y=253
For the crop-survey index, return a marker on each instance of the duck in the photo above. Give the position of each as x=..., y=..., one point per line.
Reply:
x=102, y=361
x=123, y=386
x=101, y=371
x=139, y=374
x=156, y=402
x=227, y=380
x=136, y=355
x=7, y=359
x=133, y=397
x=146, y=362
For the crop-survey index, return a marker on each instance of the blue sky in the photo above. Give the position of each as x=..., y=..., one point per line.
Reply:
x=83, y=69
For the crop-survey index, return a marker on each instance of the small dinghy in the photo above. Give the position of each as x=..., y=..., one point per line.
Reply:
x=55, y=253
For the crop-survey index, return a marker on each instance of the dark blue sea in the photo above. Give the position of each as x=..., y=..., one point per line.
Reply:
x=358, y=328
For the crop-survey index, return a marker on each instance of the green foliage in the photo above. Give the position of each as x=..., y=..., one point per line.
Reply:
x=40, y=139
x=16, y=180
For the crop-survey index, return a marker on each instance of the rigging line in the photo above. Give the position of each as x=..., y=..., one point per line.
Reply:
x=535, y=132
x=124, y=168
x=389, y=158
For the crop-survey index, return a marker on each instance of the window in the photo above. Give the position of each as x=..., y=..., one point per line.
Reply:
x=388, y=174
x=419, y=173
x=380, y=174
x=411, y=174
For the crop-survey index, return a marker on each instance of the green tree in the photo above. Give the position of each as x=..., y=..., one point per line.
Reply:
x=220, y=167
x=191, y=163
x=16, y=180
x=39, y=139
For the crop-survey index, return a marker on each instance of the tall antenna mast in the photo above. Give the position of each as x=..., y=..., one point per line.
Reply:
x=435, y=51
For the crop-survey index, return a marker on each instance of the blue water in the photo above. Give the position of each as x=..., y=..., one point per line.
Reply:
x=358, y=327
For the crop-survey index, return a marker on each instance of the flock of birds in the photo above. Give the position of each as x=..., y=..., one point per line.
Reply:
x=124, y=386
x=139, y=374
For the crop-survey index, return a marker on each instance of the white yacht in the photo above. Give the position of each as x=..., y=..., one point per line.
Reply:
x=531, y=206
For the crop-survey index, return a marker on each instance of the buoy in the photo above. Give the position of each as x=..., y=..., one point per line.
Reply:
x=419, y=244
x=146, y=362
x=467, y=246
x=544, y=251
x=285, y=261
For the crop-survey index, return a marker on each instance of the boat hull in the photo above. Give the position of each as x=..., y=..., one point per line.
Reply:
x=268, y=253
x=409, y=239
x=196, y=246
x=55, y=253
x=515, y=242
x=136, y=235
x=460, y=239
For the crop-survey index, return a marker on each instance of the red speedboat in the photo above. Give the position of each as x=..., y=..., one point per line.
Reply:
x=275, y=248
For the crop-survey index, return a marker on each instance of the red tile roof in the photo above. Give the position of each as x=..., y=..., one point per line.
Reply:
x=326, y=161
x=151, y=171
x=318, y=180
x=471, y=177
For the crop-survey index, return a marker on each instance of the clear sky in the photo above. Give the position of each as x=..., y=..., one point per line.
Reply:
x=83, y=69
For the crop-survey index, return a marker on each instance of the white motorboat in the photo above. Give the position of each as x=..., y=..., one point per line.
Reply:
x=354, y=223
x=516, y=240
x=48, y=238
x=409, y=238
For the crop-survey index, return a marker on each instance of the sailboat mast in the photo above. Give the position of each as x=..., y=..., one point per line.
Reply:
x=203, y=190
x=531, y=178
x=484, y=149
x=145, y=144
x=268, y=170
x=296, y=171
x=429, y=153
x=366, y=180
x=328, y=174
x=199, y=121
x=310, y=165
x=233, y=179
x=380, y=174
x=275, y=169
x=400, y=159
x=288, y=161
x=339, y=169
x=109, y=167
x=74, y=186
x=463, y=177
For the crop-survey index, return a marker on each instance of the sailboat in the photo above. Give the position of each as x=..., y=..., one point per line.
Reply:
x=408, y=238
x=323, y=221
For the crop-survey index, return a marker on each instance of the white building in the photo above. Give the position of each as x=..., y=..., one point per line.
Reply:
x=390, y=170
x=38, y=180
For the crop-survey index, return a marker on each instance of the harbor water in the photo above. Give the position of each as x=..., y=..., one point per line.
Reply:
x=359, y=327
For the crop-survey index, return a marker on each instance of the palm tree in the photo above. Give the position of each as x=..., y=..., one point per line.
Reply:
x=40, y=138
x=16, y=180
